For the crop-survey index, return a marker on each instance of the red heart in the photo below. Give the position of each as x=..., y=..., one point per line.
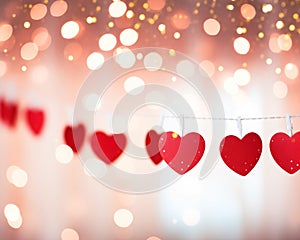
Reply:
x=108, y=147
x=181, y=154
x=9, y=112
x=152, y=139
x=74, y=137
x=2, y=110
x=35, y=119
x=241, y=155
x=285, y=151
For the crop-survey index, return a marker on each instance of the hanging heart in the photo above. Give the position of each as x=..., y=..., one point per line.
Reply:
x=10, y=112
x=35, y=120
x=74, y=137
x=108, y=147
x=152, y=140
x=181, y=154
x=2, y=110
x=241, y=155
x=285, y=151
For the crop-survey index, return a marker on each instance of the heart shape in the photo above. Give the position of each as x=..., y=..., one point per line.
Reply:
x=181, y=154
x=241, y=155
x=9, y=112
x=2, y=110
x=74, y=137
x=285, y=151
x=108, y=147
x=152, y=140
x=35, y=120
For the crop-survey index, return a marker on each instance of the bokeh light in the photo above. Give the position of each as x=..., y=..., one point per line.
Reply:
x=6, y=31
x=15, y=224
x=19, y=178
x=26, y=24
x=211, y=27
x=9, y=172
x=191, y=217
x=241, y=45
x=153, y=61
x=117, y=9
x=12, y=212
x=291, y=71
x=124, y=57
x=123, y=218
x=208, y=67
x=242, y=77
x=180, y=20
x=58, y=8
x=280, y=89
x=134, y=85
x=95, y=61
x=273, y=43
x=284, y=42
x=64, y=154
x=38, y=11
x=3, y=68
x=107, y=42
x=69, y=234
x=185, y=68
x=73, y=51
x=128, y=37
x=29, y=51
x=267, y=7
x=70, y=30
x=153, y=238
x=156, y=5
x=248, y=11
x=42, y=38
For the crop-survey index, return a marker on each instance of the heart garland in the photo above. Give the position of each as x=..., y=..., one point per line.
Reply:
x=151, y=142
x=9, y=112
x=35, y=119
x=74, y=137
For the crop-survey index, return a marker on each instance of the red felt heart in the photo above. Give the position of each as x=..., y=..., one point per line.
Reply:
x=108, y=147
x=286, y=151
x=241, y=155
x=74, y=137
x=181, y=154
x=35, y=120
x=9, y=112
x=152, y=139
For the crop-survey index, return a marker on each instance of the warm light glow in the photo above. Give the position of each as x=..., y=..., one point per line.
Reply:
x=208, y=67
x=291, y=71
x=107, y=42
x=269, y=61
x=117, y=9
x=177, y=35
x=248, y=11
x=134, y=85
x=73, y=51
x=278, y=70
x=95, y=61
x=211, y=27
x=38, y=11
x=6, y=31
x=279, y=24
x=12, y=212
x=70, y=30
x=284, y=42
x=64, y=154
x=241, y=45
x=128, y=37
x=162, y=27
x=129, y=14
x=273, y=43
x=42, y=38
x=267, y=7
x=69, y=234
x=29, y=51
x=180, y=20
x=123, y=218
x=3, y=68
x=153, y=238
x=26, y=24
x=229, y=7
x=242, y=77
x=15, y=224
x=280, y=89
x=19, y=178
x=58, y=8
x=156, y=5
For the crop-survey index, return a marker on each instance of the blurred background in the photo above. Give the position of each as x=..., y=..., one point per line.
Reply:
x=249, y=49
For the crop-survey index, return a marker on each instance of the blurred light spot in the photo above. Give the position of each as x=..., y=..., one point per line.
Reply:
x=64, y=154
x=129, y=14
x=123, y=218
x=229, y=7
x=38, y=11
x=15, y=224
x=70, y=30
x=267, y=7
x=185, y=68
x=6, y=31
x=211, y=27
x=269, y=61
x=73, y=51
x=29, y=51
x=291, y=71
x=95, y=61
x=174, y=79
x=19, y=178
x=280, y=89
x=91, y=102
x=3, y=68
x=94, y=167
x=248, y=11
x=161, y=27
x=69, y=234
x=279, y=24
x=142, y=17
x=58, y=8
x=139, y=56
x=27, y=24
x=128, y=37
x=220, y=68
x=180, y=20
x=261, y=35
x=117, y=9
x=273, y=43
x=153, y=61
x=177, y=35
x=174, y=221
x=242, y=77
x=191, y=217
x=284, y=42
x=230, y=86
x=292, y=27
x=134, y=85
x=107, y=42
x=241, y=45
x=124, y=57
x=12, y=212
x=10, y=171
x=156, y=5
x=111, y=24
x=278, y=70
x=41, y=38
x=208, y=67
x=153, y=238
x=40, y=74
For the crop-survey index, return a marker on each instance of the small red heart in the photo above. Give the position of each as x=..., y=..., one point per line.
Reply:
x=285, y=151
x=108, y=147
x=9, y=112
x=241, y=155
x=74, y=137
x=181, y=154
x=152, y=140
x=35, y=119
x=2, y=110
